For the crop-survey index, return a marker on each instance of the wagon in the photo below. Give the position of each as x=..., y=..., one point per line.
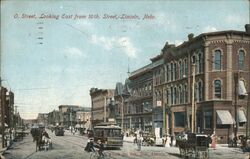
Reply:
x=37, y=137
x=195, y=146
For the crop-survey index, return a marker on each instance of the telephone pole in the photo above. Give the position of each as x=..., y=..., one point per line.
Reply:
x=193, y=104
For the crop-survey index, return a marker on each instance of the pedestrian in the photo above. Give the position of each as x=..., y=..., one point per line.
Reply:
x=139, y=142
x=90, y=146
x=172, y=139
x=235, y=139
x=135, y=139
x=100, y=147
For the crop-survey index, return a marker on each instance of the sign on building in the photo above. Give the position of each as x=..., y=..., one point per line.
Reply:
x=158, y=103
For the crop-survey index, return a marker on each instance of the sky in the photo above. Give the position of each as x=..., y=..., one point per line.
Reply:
x=53, y=52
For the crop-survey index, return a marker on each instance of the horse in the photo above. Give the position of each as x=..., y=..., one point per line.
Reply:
x=47, y=143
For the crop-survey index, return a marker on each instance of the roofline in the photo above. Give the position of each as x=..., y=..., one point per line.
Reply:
x=212, y=34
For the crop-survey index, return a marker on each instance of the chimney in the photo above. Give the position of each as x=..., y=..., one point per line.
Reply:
x=247, y=27
x=190, y=36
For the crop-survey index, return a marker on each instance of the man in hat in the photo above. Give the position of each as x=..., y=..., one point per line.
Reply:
x=100, y=147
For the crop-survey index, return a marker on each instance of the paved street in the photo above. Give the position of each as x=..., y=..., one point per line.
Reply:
x=72, y=147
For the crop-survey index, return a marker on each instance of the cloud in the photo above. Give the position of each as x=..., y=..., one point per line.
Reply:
x=110, y=43
x=128, y=47
x=232, y=19
x=73, y=52
x=165, y=21
x=209, y=29
x=85, y=25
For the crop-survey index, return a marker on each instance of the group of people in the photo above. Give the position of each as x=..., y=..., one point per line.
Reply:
x=241, y=141
x=92, y=147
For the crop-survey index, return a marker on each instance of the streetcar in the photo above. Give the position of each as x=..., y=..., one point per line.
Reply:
x=110, y=135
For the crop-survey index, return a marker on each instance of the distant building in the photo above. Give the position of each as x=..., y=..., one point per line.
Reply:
x=83, y=117
x=54, y=117
x=68, y=115
x=42, y=119
x=99, y=104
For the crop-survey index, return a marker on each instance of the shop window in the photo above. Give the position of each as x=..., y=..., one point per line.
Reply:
x=179, y=119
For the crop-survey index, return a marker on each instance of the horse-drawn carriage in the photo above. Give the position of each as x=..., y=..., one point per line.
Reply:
x=193, y=145
x=40, y=136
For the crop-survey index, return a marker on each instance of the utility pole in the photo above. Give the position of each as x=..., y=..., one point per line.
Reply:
x=163, y=115
x=122, y=111
x=193, y=104
x=3, y=105
x=236, y=79
x=105, y=109
x=15, y=122
x=248, y=105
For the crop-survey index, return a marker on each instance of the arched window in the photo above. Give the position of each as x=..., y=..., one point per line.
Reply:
x=172, y=72
x=180, y=70
x=200, y=63
x=180, y=94
x=172, y=95
x=241, y=60
x=217, y=89
x=199, y=91
x=186, y=67
x=217, y=60
x=168, y=72
x=175, y=71
x=186, y=94
x=175, y=93
x=168, y=96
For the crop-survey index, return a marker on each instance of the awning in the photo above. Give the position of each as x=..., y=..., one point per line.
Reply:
x=242, y=89
x=224, y=117
x=241, y=116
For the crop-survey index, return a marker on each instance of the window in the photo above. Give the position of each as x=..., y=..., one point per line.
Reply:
x=174, y=96
x=208, y=119
x=172, y=72
x=200, y=63
x=241, y=60
x=217, y=89
x=185, y=94
x=179, y=119
x=181, y=70
x=193, y=59
x=186, y=68
x=180, y=94
x=199, y=91
x=169, y=96
x=168, y=72
x=217, y=60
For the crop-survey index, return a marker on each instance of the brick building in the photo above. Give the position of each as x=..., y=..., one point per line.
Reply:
x=99, y=104
x=208, y=74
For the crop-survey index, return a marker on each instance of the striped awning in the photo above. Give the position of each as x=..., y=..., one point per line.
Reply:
x=224, y=117
x=241, y=116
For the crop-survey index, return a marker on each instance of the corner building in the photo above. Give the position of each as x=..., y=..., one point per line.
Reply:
x=208, y=75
